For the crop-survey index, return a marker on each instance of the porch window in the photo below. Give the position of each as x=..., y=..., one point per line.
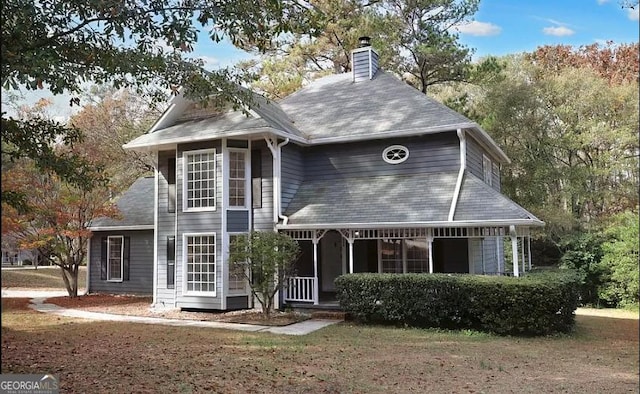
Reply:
x=115, y=257
x=237, y=178
x=417, y=255
x=200, y=180
x=391, y=255
x=200, y=258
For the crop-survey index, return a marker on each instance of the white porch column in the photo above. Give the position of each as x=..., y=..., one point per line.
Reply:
x=350, y=241
x=514, y=249
x=523, y=255
x=430, y=249
x=316, y=294
x=529, y=251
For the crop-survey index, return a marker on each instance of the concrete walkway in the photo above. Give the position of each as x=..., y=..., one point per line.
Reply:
x=38, y=303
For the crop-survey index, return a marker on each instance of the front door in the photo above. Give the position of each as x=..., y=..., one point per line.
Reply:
x=330, y=259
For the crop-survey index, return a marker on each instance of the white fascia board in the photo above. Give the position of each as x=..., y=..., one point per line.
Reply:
x=171, y=142
x=489, y=144
x=466, y=223
x=122, y=228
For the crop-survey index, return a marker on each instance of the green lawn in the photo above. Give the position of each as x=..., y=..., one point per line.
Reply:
x=601, y=356
x=41, y=278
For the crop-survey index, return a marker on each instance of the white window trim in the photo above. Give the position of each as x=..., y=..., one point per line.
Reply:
x=109, y=238
x=487, y=165
x=246, y=287
x=185, y=262
x=185, y=204
x=247, y=180
x=393, y=147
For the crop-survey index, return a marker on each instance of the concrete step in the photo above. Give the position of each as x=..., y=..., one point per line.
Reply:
x=329, y=315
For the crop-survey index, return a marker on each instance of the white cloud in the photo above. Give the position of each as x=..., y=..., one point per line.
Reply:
x=601, y=2
x=476, y=28
x=559, y=31
x=209, y=61
x=633, y=13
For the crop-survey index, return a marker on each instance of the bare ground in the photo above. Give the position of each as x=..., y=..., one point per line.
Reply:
x=114, y=357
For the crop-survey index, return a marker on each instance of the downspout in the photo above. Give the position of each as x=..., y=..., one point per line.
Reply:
x=285, y=219
x=276, y=150
x=463, y=166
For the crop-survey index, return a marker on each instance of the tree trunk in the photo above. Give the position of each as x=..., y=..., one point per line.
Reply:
x=70, y=281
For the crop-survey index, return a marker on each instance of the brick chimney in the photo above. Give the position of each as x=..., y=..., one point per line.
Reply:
x=364, y=61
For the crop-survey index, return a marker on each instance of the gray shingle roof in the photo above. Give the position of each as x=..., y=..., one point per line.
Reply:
x=479, y=201
x=135, y=205
x=419, y=199
x=334, y=106
x=381, y=199
x=328, y=108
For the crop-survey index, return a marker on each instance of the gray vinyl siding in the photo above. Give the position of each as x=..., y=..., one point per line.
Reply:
x=166, y=227
x=263, y=216
x=292, y=172
x=361, y=65
x=237, y=221
x=140, y=264
x=474, y=157
x=432, y=153
x=199, y=222
x=474, y=162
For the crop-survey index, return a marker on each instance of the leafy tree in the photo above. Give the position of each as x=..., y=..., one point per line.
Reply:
x=620, y=260
x=112, y=119
x=266, y=259
x=583, y=253
x=56, y=223
x=143, y=44
x=415, y=39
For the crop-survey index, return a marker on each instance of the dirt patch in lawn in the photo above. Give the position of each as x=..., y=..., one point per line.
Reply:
x=131, y=305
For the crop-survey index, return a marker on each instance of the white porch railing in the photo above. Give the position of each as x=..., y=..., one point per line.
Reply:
x=300, y=289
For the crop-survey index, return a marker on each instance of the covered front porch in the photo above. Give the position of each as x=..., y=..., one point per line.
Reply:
x=329, y=253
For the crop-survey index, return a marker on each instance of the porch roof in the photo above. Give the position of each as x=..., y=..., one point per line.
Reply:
x=419, y=200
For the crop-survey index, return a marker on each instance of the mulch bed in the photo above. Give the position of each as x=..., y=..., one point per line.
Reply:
x=132, y=305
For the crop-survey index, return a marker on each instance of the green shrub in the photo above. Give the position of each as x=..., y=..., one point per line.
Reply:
x=537, y=304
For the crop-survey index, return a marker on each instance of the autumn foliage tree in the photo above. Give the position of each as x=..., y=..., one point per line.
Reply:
x=56, y=220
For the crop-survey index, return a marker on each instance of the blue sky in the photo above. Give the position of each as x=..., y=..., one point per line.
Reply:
x=502, y=27
x=499, y=27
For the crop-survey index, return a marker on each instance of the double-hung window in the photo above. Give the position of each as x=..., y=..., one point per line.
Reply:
x=487, y=169
x=237, y=178
x=115, y=258
x=200, y=262
x=200, y=180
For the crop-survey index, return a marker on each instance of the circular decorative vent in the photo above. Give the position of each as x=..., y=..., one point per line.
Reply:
x=395, y=154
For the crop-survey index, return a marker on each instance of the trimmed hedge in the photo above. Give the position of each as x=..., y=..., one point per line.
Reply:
x=539, y=303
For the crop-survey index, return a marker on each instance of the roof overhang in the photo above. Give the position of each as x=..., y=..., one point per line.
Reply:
x=438, y=224
x=259, y=132
x=122, y=228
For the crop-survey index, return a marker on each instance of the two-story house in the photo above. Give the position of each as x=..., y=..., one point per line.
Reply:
x=366, y=172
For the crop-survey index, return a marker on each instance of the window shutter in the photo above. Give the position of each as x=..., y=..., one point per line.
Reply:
x=125, y=262
x=171, y=256
x=171, y=185
x=103, y=259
